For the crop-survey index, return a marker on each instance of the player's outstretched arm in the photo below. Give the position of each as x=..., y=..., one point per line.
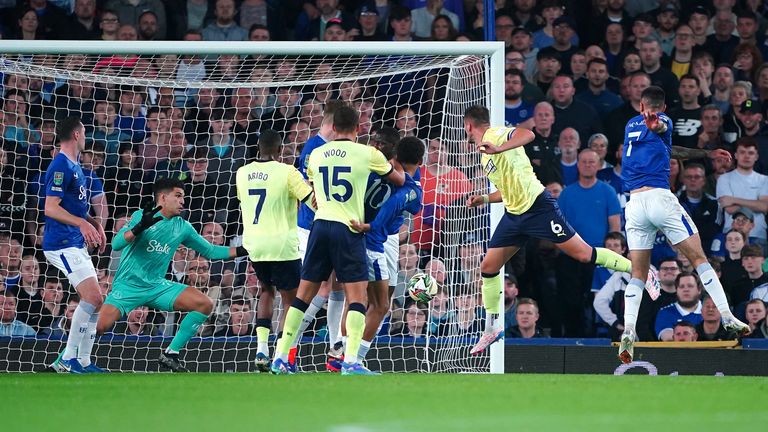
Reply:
x=196, y=242
x=54, y=210
x=691, y=153
x=518, y=138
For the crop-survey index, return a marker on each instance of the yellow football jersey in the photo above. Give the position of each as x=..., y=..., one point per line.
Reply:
x=511, y=172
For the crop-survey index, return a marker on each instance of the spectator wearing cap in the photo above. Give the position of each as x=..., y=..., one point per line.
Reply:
x=752, y=259
x=751, y=116
x=594, y=211
x=698, y=20
x=224, y=27
x=335, y=31
x=422, y=18
x=722, y=42
x=368, y=19
x=522, y=42
x=667, y=20
x=614, y=13
x=650, y=57
x=642, y=27
x=550, y=11
x=743, y=187
x=129, y=12
x=564, y=28
x=328, y=10
x=401, y=23
x=548, y=65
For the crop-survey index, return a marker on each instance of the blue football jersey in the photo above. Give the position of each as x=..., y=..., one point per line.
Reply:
x=645, y=161
x=306, y=215
x=66, y=180
x=389, y=217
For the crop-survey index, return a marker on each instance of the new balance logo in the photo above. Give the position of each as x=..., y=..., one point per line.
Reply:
x=687, y=127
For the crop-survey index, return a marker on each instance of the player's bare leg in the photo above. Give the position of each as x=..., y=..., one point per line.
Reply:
x=200, y=308
x=493, y=284
x=76, y=357
x=293, y=319
x=691, y=248
x=633, y=296
x=108, y=316
x=263, y=326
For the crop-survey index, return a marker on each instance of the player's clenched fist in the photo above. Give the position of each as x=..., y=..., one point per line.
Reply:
x=476, y=201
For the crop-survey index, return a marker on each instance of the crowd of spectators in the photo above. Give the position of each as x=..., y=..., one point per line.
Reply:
x=574, y=75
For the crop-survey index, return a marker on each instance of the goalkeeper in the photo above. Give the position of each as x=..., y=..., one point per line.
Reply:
x=150, y=242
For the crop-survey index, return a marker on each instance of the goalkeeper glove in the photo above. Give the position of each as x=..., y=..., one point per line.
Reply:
x=148, y=219
x=240, y=252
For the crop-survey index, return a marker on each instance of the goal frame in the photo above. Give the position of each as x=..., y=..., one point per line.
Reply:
x=494, y=76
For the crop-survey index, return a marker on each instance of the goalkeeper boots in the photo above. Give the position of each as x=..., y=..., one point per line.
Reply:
x=356, y=369
x=170, y=362
x=486, y=340
x=733, y=325
x=627, y=346
x=262, y=362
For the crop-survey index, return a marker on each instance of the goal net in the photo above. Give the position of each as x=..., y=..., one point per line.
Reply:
x=196, y=116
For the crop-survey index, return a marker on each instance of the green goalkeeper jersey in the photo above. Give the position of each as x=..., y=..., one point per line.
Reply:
x=145, y=260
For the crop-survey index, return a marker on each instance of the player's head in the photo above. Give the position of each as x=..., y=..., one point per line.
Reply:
x=386, y=139
x=477, y=118
x=169, y=193
x=652, y=99
x=329, y=110
x=410, y=151
x=346, y=121
x=71, y=131
x=269, y=144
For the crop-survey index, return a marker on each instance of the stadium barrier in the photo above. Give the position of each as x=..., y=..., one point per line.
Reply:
x=548, y=356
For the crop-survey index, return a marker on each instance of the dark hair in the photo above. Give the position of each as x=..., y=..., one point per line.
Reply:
x=698, y=55
x=529, y=301
x=222, y=114
x=269, y=142
x=345, y=119
x=752, y=250
x=410, y=150
x=653, y=96
x=746, y=141
x=388, y=137
x=165, y=185
x=692, y=165
x=597, y=60
x=691, y=76
x=240, y=300
x=671, y=259
x=478, y=115
x=684, y=324
x=746, y=13
x=65, y=128
x=615, y=235
x=330, y=109
x=258, y=27
x=516, y=72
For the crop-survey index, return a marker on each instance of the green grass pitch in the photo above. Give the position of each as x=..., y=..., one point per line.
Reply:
x=395, y=402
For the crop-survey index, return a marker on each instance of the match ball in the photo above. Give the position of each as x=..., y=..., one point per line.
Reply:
x=422, y=287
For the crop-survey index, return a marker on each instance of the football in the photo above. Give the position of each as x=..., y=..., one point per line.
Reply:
x=422, y=287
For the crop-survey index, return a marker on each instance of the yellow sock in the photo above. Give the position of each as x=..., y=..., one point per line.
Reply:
x=492, y=287
x=355, y=326
x=610, y=259
x=292, y=323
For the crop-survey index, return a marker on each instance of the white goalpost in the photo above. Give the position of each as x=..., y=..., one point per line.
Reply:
x=193, y=110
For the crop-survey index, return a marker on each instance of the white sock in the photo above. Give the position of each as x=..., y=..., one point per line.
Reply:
x=86, y=344
x=263, y=348
x=343, y=341
x=78, y=330
x=490, y=322
x=714, y=288
x=364, y=347
x=317, y=303
x=633, y=296
x=170, y=351
x=335, y=311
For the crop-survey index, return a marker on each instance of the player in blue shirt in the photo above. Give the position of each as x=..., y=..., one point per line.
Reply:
x=653, y=207
x=69, y=231
x=382, y=277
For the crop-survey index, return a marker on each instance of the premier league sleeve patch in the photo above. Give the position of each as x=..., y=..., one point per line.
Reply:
x=58, y=178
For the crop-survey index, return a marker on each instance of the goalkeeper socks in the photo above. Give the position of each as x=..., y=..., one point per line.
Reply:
x=78, y=329
x=317, y=303
x=187, y=329
x=335, y=312
x=86, y=344
x=355, y=327
x=290, y=328
x=610, y=259
x=262, y=335
x=714, y=287
x=364, y=347
x=633, y=296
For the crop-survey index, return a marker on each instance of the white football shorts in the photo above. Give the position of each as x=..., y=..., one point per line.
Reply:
x=656, y=210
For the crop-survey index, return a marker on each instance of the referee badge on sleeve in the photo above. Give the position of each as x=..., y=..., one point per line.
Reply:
x=58, y=178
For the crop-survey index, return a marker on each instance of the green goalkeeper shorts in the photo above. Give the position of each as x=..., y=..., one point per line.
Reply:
x=161, y=296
